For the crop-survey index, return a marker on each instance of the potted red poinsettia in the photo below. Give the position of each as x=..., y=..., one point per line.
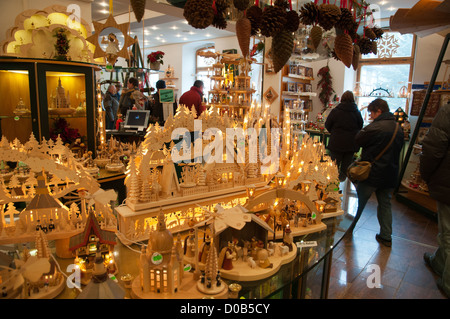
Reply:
x=155, y=59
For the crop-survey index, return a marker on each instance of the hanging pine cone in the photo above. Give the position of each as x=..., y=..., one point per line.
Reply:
x=365, y=45
x=282, y=46
x=316, y=36
x=309, y=13
x=368, y=32
x=199, y=13
x=329, y=15
x=254, y=14
x=343, y=47
x=138, y=9
x=243, y=33
x=282, y=3
x=378, y=32
x=334, y=55
x=374, y=47
x=292, y=21
x=241, y=4
x=346, y=20
x=273, y=20
x=356, y=56
x=219, y=20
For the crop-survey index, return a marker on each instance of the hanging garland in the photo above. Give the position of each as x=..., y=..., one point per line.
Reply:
x=325, y=85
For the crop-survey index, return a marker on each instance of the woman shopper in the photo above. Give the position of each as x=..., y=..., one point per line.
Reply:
x=343, y=123
x=384, y=172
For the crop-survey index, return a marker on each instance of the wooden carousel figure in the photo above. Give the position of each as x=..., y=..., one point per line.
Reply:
x=112, y=50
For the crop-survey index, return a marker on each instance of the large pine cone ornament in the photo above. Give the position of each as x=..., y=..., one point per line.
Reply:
x=219, y=21
x=219, y=7
x=282, y=3
x=138, y=9
x=316, y=36
x=368, y=32
x=309, y=13
x=273, y=20
x=241, y=4
x=374, y=47
x=356, y=56
x=378, y=32
x=243, y=33
x=343, y=47
x=346, y=20
x=199, y=13
x=254, y=14
x=282, y=46
x=292, y=21
x=365, y=45
x=329, y=15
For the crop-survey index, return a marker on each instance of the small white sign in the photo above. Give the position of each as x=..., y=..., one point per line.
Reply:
x=301, y=244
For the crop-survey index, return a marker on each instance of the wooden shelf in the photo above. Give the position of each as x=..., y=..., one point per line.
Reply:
x=309, y=94
x=300, y=77
x=169, y=78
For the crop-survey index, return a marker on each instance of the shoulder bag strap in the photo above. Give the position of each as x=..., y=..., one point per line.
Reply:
x=389, y=144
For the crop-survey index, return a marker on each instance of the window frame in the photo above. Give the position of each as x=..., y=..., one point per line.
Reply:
x=390, y=61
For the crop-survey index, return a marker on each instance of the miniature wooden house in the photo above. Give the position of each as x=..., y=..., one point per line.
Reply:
x=161, y=267
x=92, y=239
x=331, y=205
x=43, y=207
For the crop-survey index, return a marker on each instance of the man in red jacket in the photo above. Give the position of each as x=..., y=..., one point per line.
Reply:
x=194, y=97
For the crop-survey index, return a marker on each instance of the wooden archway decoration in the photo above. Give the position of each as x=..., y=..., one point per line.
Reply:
x=283, y=193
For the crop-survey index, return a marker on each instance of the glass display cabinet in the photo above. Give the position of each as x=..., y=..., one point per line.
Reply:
x=47, y=98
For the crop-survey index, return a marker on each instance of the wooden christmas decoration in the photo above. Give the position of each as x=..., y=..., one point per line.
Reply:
x=243, y=33
x=138, y=8
x=343, y=47
x=111, y=23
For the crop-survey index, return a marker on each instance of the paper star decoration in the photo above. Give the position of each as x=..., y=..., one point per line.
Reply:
x=111, y=23
x=387, y=46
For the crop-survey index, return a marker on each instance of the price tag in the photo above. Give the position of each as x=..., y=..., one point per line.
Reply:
x=304, y=244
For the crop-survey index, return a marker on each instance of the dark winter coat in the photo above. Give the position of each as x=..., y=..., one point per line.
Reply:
x=193, y=97
x=373, y=139
x=435, y=159
x=156, y=108
x=343, y=123
x=111, y=105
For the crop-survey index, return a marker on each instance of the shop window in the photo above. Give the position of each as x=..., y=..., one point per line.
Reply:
x=387, y=74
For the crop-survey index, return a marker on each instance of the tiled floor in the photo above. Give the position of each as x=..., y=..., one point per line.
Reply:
x=402, y=270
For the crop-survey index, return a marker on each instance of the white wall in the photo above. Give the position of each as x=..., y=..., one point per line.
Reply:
x=11, y=9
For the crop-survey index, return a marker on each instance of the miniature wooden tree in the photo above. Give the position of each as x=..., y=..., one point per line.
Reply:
x=11, y=210
x=133, y=183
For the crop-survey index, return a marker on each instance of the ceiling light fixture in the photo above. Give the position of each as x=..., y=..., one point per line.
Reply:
x=103, y=4
x=392, y=8
x=154, y=27
x=104, y=11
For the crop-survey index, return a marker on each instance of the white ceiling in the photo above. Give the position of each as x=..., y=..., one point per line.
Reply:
x=164, y=24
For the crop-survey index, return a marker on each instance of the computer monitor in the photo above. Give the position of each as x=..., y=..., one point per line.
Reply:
x=137, y=119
